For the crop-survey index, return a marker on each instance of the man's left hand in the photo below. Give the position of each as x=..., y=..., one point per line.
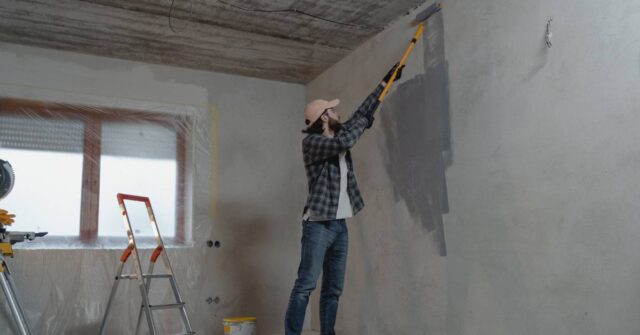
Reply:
x=390, y=73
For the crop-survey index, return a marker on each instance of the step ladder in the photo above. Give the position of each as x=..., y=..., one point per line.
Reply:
x=144, y=279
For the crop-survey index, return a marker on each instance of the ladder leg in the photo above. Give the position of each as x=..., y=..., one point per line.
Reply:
x=123, y=259
x=14, y=305
x=114, y=289
x=142, y=284
x=136, y=257
x=139, y=322
x=148, y=287
x=147, y=310
x=172, y=279
x=183, y=311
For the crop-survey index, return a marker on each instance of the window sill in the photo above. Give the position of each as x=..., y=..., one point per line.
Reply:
x=109, y=243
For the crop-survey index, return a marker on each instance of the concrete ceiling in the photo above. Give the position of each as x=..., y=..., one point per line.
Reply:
x=214, y=35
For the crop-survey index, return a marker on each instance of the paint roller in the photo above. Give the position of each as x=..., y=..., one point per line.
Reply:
x=419, y=20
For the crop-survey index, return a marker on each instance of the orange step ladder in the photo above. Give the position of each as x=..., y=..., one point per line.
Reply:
x=144, y=279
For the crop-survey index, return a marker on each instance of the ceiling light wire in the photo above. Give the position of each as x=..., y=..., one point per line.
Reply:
x=171, y=14
x=295, y=11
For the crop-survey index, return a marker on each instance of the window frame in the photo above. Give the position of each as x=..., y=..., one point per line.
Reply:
x=90, y=194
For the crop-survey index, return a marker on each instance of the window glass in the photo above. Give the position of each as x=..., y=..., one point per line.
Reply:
x=138, y=159
x=46, y=156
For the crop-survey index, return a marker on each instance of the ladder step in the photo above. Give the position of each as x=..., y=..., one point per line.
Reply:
x=144, y=279
x=167, y=306
x=144, y=276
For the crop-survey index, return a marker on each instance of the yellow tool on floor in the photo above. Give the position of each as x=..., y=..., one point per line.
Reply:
x=239, y=326
x=419, y=20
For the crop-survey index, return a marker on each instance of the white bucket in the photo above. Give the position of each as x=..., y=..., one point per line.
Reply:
x=239, y=326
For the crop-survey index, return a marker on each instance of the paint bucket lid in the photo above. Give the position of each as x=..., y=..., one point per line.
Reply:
x=240, y=319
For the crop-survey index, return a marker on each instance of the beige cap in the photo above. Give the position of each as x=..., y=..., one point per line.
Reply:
x=315, y=108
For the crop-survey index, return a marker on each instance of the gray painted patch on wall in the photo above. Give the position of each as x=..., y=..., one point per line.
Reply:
x=417, y=137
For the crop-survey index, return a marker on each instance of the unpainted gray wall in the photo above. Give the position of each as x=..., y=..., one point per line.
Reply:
x=245, y=191
x=543, y=184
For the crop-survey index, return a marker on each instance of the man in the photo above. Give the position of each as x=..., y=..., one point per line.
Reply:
x=333, y=197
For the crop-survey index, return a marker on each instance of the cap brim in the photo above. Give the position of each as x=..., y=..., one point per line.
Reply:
x=333, y=103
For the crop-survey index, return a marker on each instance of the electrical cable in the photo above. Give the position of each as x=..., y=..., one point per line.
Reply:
x=171, y=14
x=255, y=10
x=292, y=10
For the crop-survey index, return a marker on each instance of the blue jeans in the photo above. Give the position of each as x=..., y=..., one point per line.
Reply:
x=324, y=247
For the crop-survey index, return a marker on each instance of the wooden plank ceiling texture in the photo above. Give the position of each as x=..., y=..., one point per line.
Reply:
x=255, y=38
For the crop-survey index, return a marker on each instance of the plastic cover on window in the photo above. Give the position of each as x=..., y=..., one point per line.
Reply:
x=70, y=161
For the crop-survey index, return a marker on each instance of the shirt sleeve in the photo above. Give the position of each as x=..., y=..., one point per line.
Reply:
x=368, y=107
x=317, y=147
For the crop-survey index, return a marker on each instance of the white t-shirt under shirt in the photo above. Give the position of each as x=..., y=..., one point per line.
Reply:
x=344, y=203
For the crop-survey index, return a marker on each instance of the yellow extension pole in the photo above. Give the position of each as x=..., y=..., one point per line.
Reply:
x=403, y=60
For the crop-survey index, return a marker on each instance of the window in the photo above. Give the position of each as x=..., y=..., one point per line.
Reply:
x=137, y=159
x=70, y=163
x=46, y=155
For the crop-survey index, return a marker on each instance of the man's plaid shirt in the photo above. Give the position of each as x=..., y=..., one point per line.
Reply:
x=321, y=160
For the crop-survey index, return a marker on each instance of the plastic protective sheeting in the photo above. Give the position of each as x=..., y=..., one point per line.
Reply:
x=70, y=161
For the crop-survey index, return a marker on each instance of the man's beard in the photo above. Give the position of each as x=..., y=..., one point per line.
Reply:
x=334, y=125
